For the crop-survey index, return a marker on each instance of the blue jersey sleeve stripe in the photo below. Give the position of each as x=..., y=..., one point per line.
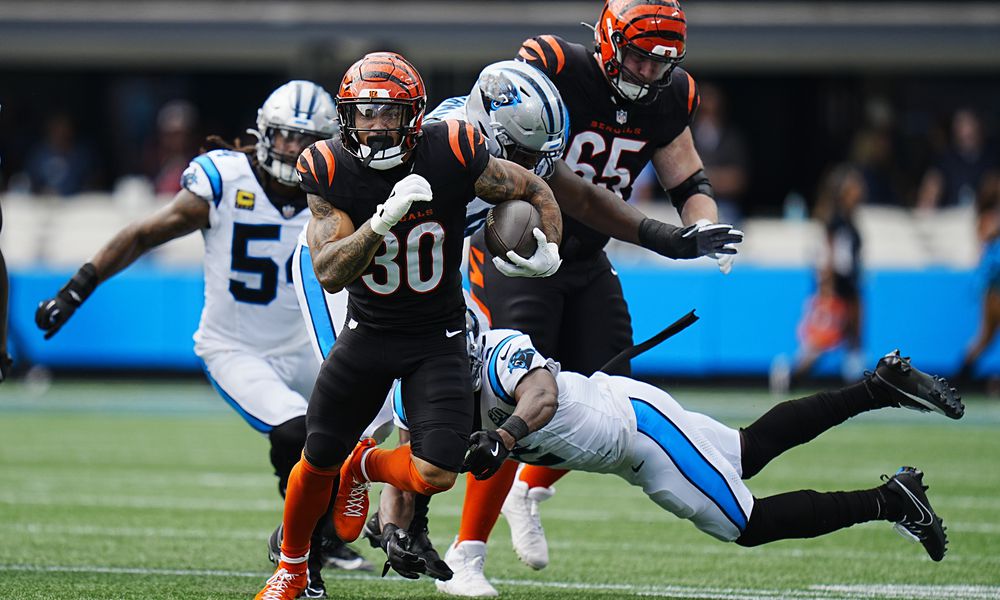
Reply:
x=254, y=422
x=691, y=463
x=214, y=177
x=319, y=312
x=494, y=378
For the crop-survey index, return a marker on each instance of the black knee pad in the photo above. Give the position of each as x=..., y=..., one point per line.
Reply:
x=324, y=450
x=443, y=448
x=287, y=441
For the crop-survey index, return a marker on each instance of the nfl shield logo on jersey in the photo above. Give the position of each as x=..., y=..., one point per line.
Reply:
x=621, y=117
x=288, y=211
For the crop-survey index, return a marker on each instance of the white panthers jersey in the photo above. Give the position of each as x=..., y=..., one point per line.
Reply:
x=592, y=429
x=250, y=303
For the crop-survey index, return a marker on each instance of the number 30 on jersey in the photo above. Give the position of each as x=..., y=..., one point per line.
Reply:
x=405, y=257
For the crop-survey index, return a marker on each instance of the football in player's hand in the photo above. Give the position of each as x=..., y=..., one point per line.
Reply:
x=509, y=226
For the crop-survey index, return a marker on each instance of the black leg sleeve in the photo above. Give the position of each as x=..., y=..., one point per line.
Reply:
x=796, y=422
x=287, y=441
x=421, y=504
x=806, y=514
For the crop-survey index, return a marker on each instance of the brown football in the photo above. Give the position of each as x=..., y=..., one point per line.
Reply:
x=509, y=226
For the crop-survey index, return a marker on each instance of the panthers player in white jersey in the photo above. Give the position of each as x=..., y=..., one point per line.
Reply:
x=686, y=462
x=247, y=205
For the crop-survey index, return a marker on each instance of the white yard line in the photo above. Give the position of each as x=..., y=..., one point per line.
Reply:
x=813, y=592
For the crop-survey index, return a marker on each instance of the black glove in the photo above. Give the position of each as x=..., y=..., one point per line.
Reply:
x=53, y=313
x=486, y=454
x=688, y=242
x=5, y=365
x=396, y=543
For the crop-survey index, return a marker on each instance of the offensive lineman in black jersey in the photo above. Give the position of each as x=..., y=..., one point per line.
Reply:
x=628, y=104
x=406, y=312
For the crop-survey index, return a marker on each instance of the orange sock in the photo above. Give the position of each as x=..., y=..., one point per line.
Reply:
x=483, y=500
x=306, y=499
x=541, y=476
x=396, y=468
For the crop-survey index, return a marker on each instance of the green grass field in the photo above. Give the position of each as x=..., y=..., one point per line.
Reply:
x=150, y=491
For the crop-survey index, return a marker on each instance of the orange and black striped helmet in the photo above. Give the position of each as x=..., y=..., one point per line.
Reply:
x=651, y=30
x=381, y=102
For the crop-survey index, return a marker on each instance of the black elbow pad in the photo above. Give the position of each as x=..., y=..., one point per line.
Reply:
x=695, y=184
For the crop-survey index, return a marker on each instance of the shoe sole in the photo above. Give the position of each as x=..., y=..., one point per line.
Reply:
x=354, y=564
x=946, y=403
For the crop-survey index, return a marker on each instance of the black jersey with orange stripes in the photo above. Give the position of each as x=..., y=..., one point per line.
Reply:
x=612, y=139
x=414, y=281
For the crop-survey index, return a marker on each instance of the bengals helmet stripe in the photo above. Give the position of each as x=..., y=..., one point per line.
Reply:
x=382, y=78
x=651, y=29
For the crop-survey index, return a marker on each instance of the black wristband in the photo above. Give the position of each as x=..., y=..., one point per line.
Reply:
x=516, y=427
x=81, y=285
x=660, y=237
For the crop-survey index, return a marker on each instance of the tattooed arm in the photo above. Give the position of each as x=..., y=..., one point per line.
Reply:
x=184, y=214
x=340, y=254
x=503, y=180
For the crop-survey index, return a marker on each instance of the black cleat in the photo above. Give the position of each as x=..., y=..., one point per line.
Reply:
x=909, y=387
x=373, y=531
x=338, y=555
x=420, y=544
x=274, y=546
x=316, y=587
x=919, y=521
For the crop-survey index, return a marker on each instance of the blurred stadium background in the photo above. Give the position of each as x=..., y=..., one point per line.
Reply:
x=104, y=102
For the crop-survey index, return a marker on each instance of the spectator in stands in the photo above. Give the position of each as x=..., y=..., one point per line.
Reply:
x=723, y=150
x=959, y=172
x=833, y=315
x=872, y=152
x=987, y=275
x=60, y=163
x=173, y=147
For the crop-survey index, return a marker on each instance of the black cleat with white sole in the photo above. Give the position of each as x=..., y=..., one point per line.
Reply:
x=338, y=555
x=911, y=388
x=372, y=531
x=919, y=521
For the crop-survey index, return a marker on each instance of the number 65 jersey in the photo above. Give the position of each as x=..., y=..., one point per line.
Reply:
x=250, y=303
x=592, y=429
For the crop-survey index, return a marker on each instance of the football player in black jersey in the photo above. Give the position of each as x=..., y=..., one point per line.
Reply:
x=629, y=103
x=388, y=199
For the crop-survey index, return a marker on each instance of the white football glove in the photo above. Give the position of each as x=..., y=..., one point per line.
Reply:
x=725, y=261
x=544, y=262
x=410, y=189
